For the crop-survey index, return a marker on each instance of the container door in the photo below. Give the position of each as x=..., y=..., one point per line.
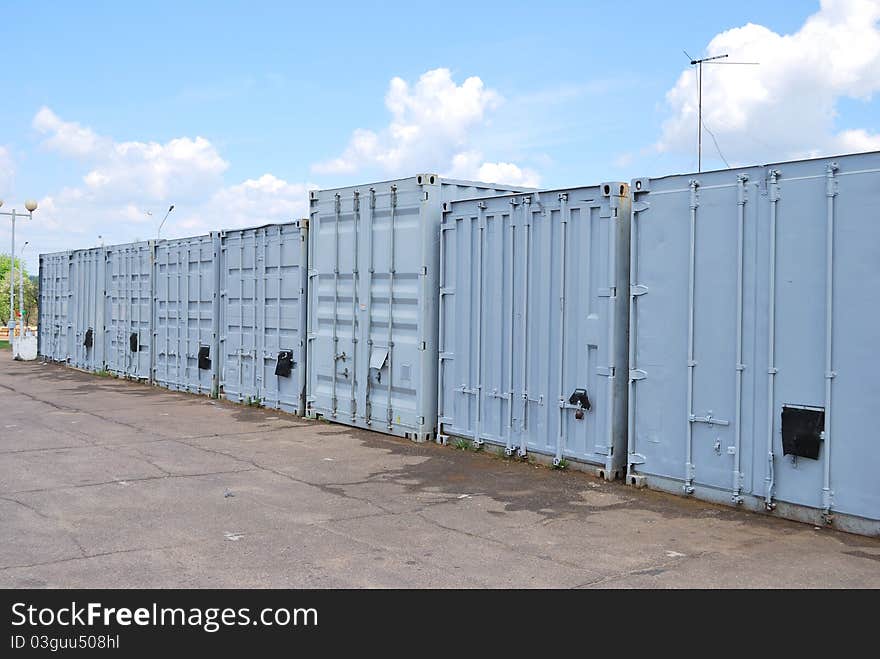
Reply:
x=65, y=309
x=243, y=254
x=165, y=320
x=339, y=389
x=87, y=296
x=393, y=328
x=282, y=294
x=366, y=307
x=199, y=310
x=127, y=308
x=714, y=308
x=572, y=239
x=692, y=338
x=799, y=413
x=184, y=312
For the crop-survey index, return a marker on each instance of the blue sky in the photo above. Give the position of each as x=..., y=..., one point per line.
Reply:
x=232, y=110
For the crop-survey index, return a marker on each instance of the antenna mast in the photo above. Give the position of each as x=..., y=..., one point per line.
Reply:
x=699, y=64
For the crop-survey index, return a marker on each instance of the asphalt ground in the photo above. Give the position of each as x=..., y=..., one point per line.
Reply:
x=106, y=483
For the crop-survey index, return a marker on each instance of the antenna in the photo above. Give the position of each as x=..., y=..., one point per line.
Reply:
x=699, y=64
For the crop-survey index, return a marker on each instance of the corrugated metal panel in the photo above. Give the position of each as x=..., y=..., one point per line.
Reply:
x=186, y=313
x=86, y=308
x=753, y=304
x=128, y=300
x=56, y=341
x=263, y=274
x=372, y=343
x=534, y=323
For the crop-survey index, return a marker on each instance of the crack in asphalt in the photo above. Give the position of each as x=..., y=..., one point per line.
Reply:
x=90, y=556
x=140, y=479
x=67, y=408
x=26, y=505
x=663, y=566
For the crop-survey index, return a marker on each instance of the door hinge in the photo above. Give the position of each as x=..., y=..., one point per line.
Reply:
x=638, y=289
x=637, y=374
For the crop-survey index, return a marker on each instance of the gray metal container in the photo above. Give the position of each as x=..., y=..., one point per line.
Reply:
x=127, y=334
x=754, y=338
x=263, y=315
x=372, y=322
x=186, y=321
x=54, y=331
x=85, y=308
x=534, y=323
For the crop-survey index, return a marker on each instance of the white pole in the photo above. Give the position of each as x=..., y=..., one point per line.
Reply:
x=11, y=322
x=20, y=291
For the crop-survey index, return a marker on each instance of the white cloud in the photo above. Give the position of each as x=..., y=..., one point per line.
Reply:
x=470, y=165
x=431, y=128
x=67, y=137
x=786, y=106
x=252, y=202
x=181, y=167
x=127, y=187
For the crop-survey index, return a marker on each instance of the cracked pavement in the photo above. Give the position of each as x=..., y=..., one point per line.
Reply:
x=112, y=484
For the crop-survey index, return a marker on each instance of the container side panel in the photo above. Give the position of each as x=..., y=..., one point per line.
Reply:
x=777, y=411
x=373, y=303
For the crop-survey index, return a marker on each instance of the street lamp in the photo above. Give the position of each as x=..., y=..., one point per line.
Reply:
x=31, y=206
x=158, y=233
x=21, y=290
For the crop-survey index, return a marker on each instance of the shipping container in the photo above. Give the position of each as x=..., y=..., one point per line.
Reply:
x=534, y=322
x=127, y=334
x=86, y=308
x=754, y=338
x=54, y=327
x=263, y=315
x=185, y=313
x=373, y=300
